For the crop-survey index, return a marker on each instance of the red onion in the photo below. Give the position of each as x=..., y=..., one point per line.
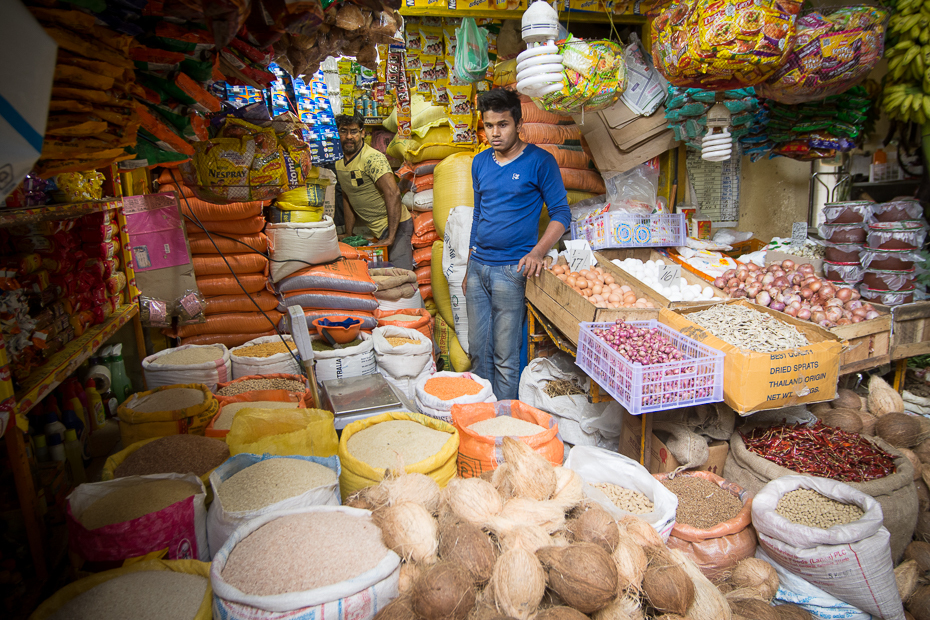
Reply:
x=791, y=311
x=773, y=268
x=844, y=294
x=787, y=264
x=780, y=273
x=844, y=321
x=834, y=302
x=763, y=298
x=857, y=319
x=867, y=306
x=753, y=289
x=639, y=345
x=833, y=314
x=854, y=304
x=816, y=308
x=806, y=268
x=780, y=282
x=733, y=283
x=827, y=291
x=795, y=287
x=720, y=283
x=729, y=273
x=818, y=315
x=794, y=304
x=767, y=286
x=796, y=278
x=753, y=267
x=738, y=293
x=777, y=305
x=768, y=278
x=742, y=274
x=806, y=293
x=804, y=314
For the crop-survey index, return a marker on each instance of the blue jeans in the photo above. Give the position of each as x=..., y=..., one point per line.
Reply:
x=496, y=308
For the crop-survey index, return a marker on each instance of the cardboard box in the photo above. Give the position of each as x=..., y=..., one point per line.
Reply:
x=662, y=461
x=619, y=139
x=755, y=381
x=772, y=256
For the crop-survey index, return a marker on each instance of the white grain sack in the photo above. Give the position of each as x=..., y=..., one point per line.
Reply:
x=189, y=357
x=379, y=445
x=143, y=595
x=271, y=481
x=506, y=426
x=224, y=422
x=166, y=400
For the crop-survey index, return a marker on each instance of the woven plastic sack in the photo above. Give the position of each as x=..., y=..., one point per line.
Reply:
x=181, y=528
x=71, y=591
x=833, y=52
x=243, y=366
x=284, y=432
x=209, y=373
x=453, y=188
x=722, y=45
x=301, y=399
x=593, y=78
x=357, y=475
x=221, y=523
x=404, y=365
x=138, y=425
x=440, y=409
x=115, y=460
x=420, y=320
x=359, y=598
x=347, y=362
x=295, y=245
x=471, y=52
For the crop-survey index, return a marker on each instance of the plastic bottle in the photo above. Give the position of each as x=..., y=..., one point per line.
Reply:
x=95, y=404
x=75, y=460
x=73, y=403
x=82, y=397
x=110, y=404
x=41, y=445
x=56, y=447
x=72, y=422
x=122, y=386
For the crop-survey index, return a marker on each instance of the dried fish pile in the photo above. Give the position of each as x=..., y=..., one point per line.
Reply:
x=749, y=329
x=561, y=387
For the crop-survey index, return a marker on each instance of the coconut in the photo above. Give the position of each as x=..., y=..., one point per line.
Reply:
x=417, y=488
x=521, y=511
x=583, y=574
x=868, y=423
x=468, y=546
x=639, y=531
x=484, y=608
x=667, y=586
x=472, y=500
x=919, y=551
x=673, y=617
x=923, y=496
x=820, y=408
x=709, y=603
x=848, y=420
x=883, y=399
x=922, y=450
x=502, y=481
x=444, y=592
x=845, y=399
x=518, y=584
x=922, y=531
x=529, y=537
x=925, y=475
x=409, y=531
x=400, y=608
x=560, y=613
x=594, y=525
x=906, y=575
x=753, y=608
x=899, y=429
x=756, y=575
x=531, y=475
x=409, y=573
x=631, y=563
x=360, y=499
x=787, y=611
x=624, y=607
x=568, y=492
x=919, y=603
x=915, y=462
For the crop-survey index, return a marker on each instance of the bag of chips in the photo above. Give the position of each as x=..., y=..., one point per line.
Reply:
x=593, y=78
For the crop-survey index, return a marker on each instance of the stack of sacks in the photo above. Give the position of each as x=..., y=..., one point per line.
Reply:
x=303, y=204
x=430, y=138
x=416, y=185
x=339, y=288
x=424, y=235
x=396, y=289
x=236, y=231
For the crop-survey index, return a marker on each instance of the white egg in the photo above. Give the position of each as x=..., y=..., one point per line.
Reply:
x=660, y=262
x=682, y=283
x=707, y=293
x=651, y=263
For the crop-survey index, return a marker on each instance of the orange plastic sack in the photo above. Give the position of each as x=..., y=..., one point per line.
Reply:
x=368, y=319
x=245, y=226
x=222, y=304
x=274, y=396
x=341, y=275
x=423, y=223
x=541, y=133
x=206, y=265
x=720, y=548
x=422, y=257
x=200, y=243
x=532, y=114
x=351, y=253
x=573, y=157
x=426, y=291
x=228, y=340
x=423, y=275
x=211, y=286
x=423, y=322
x=409, y=171
x=180, y=190
x=478, y=454
x=583, y=180
x=208, y=211
x=332, y=300
x=232, y=323
x=424, y=241
x=423, y=183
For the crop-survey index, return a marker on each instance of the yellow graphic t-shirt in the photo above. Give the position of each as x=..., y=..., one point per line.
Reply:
x=357, y=180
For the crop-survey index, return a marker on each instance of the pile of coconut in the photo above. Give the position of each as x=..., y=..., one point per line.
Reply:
x=524, y=543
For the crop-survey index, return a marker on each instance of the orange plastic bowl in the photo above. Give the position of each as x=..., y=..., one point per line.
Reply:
x=341, y=335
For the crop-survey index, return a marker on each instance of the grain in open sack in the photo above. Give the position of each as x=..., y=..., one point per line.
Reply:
x=250, y=385
x=265, y=349
x=167, y=400
x=380, y=445
x=190, y=356
x=225, y=419
x=506, y=426
x=176, y=454
x=271, y=481
x=128, y=503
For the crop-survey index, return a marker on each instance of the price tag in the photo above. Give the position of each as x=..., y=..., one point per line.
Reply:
x=578, y=259
x=798, y=233
x=669, y=274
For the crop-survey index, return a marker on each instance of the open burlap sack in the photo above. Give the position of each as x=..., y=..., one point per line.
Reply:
x=896, y=493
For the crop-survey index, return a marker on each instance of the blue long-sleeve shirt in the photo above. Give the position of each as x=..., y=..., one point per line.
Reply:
x=508, y=204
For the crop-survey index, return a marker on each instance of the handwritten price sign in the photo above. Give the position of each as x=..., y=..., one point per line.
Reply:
x=669, y=274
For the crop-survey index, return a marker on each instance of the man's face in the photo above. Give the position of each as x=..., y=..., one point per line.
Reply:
x=500, y=129
x=352, y=138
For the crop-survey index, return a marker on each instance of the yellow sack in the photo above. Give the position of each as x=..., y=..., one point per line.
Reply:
x=577, y=196
x=423, y=116
x=117, y=459
x=452, y=187
x=283, y=432
x=458, y=357
x=440, y=285
x=285, y=212
x=436, y=144
x=505, y=73
x=311, y=195
x=357, y=474
x=137, y=425
x=430, y=304
x=71, y=591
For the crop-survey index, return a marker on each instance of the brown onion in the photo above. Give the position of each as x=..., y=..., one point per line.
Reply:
x=827, y=324
x=804, y=314
x=827, y=291
x=867, y=305
x=844, y=294
x=806, y=293
x=860, y=312
x=844, y=321
x=787, y=264
x=856, y=295
x=833, y=314
x=818, y=315
x=791, y=311
x=806, y=268
x=834, y=302
x=816, y=285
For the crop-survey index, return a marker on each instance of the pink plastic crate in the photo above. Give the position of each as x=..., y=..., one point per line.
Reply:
x=694, y=380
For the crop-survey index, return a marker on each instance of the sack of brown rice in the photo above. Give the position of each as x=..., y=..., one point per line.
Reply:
x=207, y=364
x=249, y=485
x=320, y=562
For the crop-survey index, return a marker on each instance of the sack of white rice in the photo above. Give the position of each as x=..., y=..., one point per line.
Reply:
x=207, y=364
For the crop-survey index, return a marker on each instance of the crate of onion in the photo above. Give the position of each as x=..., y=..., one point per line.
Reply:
x=648, y=366
x=796, y=290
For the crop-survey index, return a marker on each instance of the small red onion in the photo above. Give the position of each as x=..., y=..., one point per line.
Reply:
x=773, y=268
x=804, y=314
x=791, y=311
x=768, y=278
x=780, y=282
x=742, y=274
x=753, y=289
x=763, y=298
x=818, y=315
x=815, y=285
x=729, y=273
x=844, y=321
x=777, y=305
x=854, y=304
x=844, y=294
x=733, y=283
x=780, y=273
x=833, y=314
x=827, y=291
x=816, y=308
x=752, y=267
x=857, y=319
x=806, y=293
x=787, y=264
x=806, y=268
x=720, y=282
x=856, y=295
x=738, y=293
x=834, y=302
x=860, y=312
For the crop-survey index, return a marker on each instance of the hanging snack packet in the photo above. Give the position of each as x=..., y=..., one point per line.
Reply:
x=461, y=100
x=463, y=128
x=223, y=165
x=428, y=67
x=431, y=37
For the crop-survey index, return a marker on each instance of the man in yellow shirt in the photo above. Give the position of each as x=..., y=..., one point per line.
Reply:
x=369, y=192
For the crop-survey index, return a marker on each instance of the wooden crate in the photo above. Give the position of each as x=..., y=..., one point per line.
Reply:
x=869, y=343
x=910, y=330
x=565, y=308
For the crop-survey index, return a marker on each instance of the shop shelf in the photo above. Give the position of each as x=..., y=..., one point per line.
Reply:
x=695, y=380
x=63, y=364
x=47, y=213
x=622, y=230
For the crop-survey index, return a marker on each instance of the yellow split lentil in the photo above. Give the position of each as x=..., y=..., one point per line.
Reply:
x=396, y=342
x=266, y=349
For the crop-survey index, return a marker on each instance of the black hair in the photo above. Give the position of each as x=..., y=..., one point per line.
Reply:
x=500, y=100
x=350, y=119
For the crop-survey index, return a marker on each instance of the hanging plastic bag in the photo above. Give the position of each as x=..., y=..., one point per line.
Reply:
x=471, y=51
x=634, y=191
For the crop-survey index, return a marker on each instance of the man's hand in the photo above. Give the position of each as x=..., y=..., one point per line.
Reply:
x=379, y=244
x=532, y=264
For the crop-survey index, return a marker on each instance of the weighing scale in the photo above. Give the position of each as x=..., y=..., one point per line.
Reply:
x=357, y=398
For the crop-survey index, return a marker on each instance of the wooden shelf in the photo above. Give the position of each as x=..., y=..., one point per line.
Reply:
x=564, y=16
x=46, y=213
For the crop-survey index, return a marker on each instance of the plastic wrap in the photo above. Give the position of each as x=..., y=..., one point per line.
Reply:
x=847, y=212
x=897, y=235
x=593, y=78
x=887, y=298
x=897, y=210
x=889, y=259
x=634, y=191
x=843, y=233
x=848, y=273
x=842, y=252
x=888, y=280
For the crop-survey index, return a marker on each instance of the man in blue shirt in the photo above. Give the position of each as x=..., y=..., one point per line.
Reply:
x=511, y=180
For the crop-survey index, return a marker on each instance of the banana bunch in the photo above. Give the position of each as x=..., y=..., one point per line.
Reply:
x=908, y=59
x=906, y=102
